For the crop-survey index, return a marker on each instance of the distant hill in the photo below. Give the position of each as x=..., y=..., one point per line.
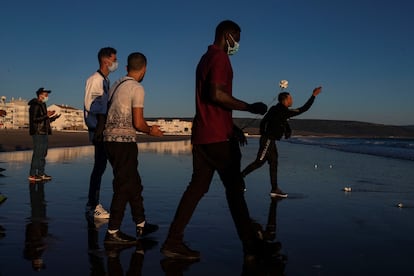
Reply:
x=328, y=128
x=337, y=128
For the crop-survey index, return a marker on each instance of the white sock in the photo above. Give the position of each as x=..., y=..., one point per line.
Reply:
x=112, y=231
x=142, y=224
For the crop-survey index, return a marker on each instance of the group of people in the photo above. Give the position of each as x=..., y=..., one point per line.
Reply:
x=113, y=114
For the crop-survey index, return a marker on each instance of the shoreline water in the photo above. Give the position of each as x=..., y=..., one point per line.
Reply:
x=320, y=226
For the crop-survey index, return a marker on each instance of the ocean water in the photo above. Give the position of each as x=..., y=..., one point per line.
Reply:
x=401, y=148
x=323, y=230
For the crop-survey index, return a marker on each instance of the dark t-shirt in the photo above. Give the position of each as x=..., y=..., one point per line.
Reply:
x=212, y=123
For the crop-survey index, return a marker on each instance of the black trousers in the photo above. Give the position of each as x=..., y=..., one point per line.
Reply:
x=127, y=187
x=267, y=152
x=223, y=157
x=99, y=166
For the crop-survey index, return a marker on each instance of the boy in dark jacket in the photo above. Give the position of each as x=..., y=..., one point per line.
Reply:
x=39, y=129
x=274, y=126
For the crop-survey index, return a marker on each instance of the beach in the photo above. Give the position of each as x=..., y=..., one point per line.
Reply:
x=19, y=139
x=323, y=229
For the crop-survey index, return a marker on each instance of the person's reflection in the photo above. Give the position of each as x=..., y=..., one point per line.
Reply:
x=136, y=261
x=95, y=253
x=37, y=227
x=176, y=267
x=272, y=261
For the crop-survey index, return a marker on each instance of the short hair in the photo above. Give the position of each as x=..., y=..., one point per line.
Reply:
x=136, y=61
x=227, y=26
x=282, y=96
x=106, y=52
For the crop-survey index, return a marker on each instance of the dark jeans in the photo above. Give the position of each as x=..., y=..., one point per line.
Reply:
x=224, y=158
x=40, y=145
x=267, y=152
x=126, y=184
x=99, y=166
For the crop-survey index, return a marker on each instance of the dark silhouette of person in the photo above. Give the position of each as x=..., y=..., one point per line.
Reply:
x=37, y=227
x=136, y=261
x=272, y=261
x=95, y=253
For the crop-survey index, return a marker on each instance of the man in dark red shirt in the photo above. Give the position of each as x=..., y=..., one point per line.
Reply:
x=215, y=144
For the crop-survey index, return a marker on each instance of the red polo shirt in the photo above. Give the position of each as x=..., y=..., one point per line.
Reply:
x=212, y=123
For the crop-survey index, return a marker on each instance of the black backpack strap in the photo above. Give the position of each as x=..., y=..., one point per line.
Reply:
x=116, y=88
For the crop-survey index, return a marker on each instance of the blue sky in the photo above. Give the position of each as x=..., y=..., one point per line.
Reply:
x=360, y=51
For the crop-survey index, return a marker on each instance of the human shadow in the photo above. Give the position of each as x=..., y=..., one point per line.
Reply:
x=176, y=267
x=271, y=261
x=136, y=261
x=37, y=227
x=96, y=254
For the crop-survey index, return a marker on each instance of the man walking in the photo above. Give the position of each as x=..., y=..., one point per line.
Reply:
x=215, y=144
x=95, y=109
x=125, y=117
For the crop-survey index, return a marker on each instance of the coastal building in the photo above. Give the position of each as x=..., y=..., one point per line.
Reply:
x=173, y=127
x=17, y=113
x=72, y=119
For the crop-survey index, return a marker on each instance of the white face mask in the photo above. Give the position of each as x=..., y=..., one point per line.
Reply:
x=234, y=49
x=113, y=66
x=45, y=99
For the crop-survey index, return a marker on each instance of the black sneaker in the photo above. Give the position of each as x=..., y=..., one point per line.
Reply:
x=179, y=251
x=119, y=238
x=146, y=230
x=278, y=193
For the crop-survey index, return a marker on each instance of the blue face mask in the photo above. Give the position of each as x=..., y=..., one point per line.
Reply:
x=234, y=49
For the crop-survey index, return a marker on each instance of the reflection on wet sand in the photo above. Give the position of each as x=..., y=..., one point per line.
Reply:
x=63, y=155
x=112, y=253
x=272, y=261
x=171, y=148
x=36, y=228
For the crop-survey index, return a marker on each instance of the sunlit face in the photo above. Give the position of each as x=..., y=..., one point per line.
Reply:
x=109, y=60
x=43, y=96
x=289, y=101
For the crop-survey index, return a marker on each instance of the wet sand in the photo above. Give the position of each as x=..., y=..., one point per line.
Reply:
x=16, y=140
x=323, y=230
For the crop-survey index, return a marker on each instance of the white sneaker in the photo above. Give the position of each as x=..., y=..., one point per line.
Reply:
x=100, y=212
x=278, y=193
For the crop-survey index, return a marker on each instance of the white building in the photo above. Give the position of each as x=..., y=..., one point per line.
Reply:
x=17, y=113
x=173, y=127
x=70, y=118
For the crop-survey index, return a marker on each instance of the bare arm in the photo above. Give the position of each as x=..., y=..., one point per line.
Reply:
x=141, y=125
x=218, y=95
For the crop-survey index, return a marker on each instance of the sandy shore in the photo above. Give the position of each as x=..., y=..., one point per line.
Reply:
x=323, y=230
x=16, y=140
